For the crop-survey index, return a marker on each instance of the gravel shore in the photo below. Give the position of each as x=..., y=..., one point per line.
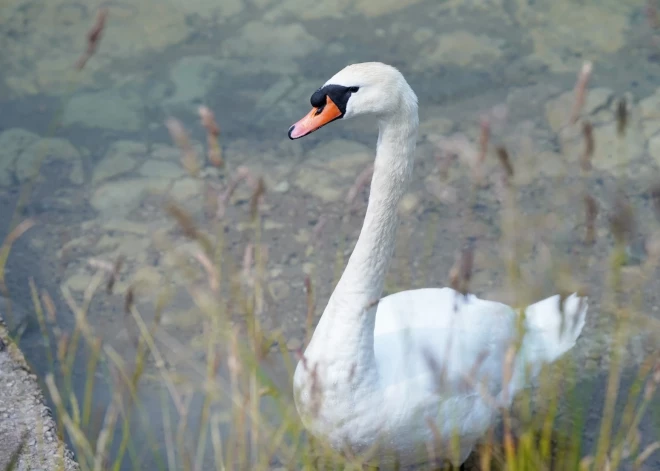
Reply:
x=25, y=418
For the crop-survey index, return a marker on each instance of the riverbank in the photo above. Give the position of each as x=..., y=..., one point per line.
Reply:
x=28, y=435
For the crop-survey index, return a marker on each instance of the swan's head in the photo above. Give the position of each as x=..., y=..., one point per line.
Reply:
x=368, y=88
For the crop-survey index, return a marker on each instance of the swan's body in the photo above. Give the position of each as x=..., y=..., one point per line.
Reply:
x=387, y=378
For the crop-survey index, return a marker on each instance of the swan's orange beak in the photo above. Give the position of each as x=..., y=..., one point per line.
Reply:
x=315, y=119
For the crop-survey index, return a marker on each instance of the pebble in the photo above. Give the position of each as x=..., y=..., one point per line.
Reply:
x=294, y=344
x=282, y=187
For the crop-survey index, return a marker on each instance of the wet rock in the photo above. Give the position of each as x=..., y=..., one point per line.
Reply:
x=186, y=188
x=160, y=169
x=208, y=9
x=278, y=44
x=282, y=187
x=78, y=282
x=119, y=225
x=118, y=198
x=558, y=110
x=649, y=110
x=334, y=168
x=47, y=41
x=165, y=152
x=12, y=144
x=108, y=109
x=409, y=203
x=15, y=317
x=193, y=78
x=654, y=148
x=461, y=48
x=122, y=157
x=649, y=107
x=294, y=344
x=563, y=33
x=338, y=8
x=46, y=151
x=435, y=129
x=612, y=153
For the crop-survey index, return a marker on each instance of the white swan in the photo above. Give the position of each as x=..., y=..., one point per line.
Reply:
x=366, y=381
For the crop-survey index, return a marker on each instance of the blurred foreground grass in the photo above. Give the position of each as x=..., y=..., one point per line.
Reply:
x=226, y=364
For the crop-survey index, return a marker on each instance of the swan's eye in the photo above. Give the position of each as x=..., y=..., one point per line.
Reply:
x=319, y=110
x=353, y=89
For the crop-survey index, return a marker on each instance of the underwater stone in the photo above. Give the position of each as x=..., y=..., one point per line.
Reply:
x=108, y=109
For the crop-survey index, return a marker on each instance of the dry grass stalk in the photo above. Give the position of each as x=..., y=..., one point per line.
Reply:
x=129, y=299
x=248, y=258
x=242, y=173
x=621, y=117
x=212, y=134
x=180, y=137
x=184, y=220
x=361, y=181
x=17, y=232
x=484, y=138
x=48, y=302
x=311, y=308
x=505, y=161
x=318, y=229
x=257, y=197
x=114, y=273
x=461, y=272
x=93, y=38
x=210, y=269
x=589, y=146
x=581, y=91
x=591, y=210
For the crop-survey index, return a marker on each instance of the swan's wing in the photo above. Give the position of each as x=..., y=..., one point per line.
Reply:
x=437, y=339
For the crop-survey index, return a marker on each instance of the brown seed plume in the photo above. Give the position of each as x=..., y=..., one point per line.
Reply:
x=180, y=137
x=93, y=38
x=461, y=273
x=114, y=274
x=589, y=146
x=212, y=134
x=484, y=138
x=257, y=197
x=129, y=300
x=184, y=219
x=581, y=90
x=621, y=117
x=503, y=157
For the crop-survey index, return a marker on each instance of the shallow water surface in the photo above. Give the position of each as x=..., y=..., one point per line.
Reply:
x=81, y=154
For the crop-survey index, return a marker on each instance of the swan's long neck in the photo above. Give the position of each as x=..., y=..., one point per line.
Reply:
x=362, y=281
x=344, y=334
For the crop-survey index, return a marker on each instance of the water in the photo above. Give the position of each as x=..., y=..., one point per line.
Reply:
x=255, y=63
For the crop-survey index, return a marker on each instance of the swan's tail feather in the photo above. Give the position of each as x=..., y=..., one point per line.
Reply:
x=556, y=327
x=551, y=331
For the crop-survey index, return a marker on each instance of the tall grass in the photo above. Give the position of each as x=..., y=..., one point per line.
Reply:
x=226, y=288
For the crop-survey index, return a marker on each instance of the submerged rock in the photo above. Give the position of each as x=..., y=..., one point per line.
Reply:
x=108, y=109
x=45, y=151
x=12, y=144
x=122, y=157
